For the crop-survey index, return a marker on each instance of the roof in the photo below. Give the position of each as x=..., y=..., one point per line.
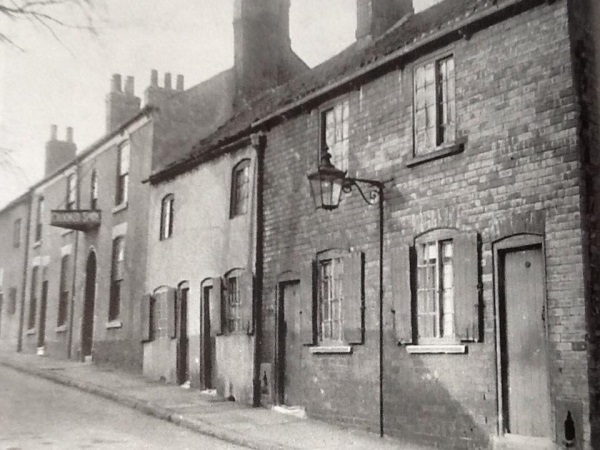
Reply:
x=408, y=34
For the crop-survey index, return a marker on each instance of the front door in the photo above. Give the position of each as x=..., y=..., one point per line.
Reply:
x=182, y=347
x=288, y=350
x=43, y=307
x=87, y=325
x=208, y=343
x=525, y=390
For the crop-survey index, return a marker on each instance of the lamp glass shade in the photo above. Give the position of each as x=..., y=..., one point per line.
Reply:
x=326, y=186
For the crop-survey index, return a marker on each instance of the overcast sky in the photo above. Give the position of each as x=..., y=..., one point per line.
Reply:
x=65, y=82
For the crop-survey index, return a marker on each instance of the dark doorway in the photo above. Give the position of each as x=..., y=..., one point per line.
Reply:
x=207, y=342
x=287, y=352
x=87, y=326
x=524, y=367
x=43, y=307
x=183, y=369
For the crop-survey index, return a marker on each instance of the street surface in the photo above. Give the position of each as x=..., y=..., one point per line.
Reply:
x=38, y=414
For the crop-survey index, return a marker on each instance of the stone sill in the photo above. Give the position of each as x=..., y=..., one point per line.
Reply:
x=30, y=332
x=441, y=152
x=436, y=348
x=119, y=208
x=114, y=324
x=331, y=349
x=61, y=329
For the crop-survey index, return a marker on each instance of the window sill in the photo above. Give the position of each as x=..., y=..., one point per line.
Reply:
x=114, y=324
x=119, y=208
x=37, y=244
x=436, y=348
x=61, y=329
x=331, y=350
x=30, y=332
x=441, y=152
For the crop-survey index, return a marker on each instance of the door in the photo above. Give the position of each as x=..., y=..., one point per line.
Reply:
x=87, y=326
x=208, y=342
x=43, y=307
x=288, y=348
x=183, y=370
x=526, y=394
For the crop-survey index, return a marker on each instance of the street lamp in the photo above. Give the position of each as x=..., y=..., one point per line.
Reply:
x=326, y=185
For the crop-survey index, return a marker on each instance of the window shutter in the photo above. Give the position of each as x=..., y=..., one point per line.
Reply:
x=401, y=291
x=306, y=304
x=145, y=319
x=466, y=282
x=353, y=301
x=215, y=307
x=247, y=292
x=171, y=305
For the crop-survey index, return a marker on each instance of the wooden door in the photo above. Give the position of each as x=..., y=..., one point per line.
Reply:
x=43, y=307
x=288, y=344
x=526, y=395
x=182, y=345
x=208, y=342
x=87, y=326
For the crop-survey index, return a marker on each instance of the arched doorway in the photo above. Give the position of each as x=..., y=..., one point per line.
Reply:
x=87, y=326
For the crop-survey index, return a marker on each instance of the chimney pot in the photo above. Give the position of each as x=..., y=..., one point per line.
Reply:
x=116, y=83
x=69, y=134
x=180, y=82
x=154, y=78
x=375, y=17
x=129, y=85
x=167, y=80
x=53, y=130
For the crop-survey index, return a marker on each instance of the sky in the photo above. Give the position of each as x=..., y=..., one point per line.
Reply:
x=63, y=80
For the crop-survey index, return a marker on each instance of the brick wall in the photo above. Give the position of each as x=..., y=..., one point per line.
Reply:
x=519, y=172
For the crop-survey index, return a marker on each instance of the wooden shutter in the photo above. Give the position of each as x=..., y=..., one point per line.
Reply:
x=215, y=310
x=353, y=301
x=306, y=304
x=402, y=293
x=466, y=286
x=247, y=293
x=171, y=305
x=146, y=332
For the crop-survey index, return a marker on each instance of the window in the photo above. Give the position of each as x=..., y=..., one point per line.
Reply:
x=240, y=185
x=435, y=290
x=234, y=305
x=38, y=222
x=94, y=191
x=63, y=294
x=435, y=287
x=122, y=174
x=434, y=105
x=12, y=300
x=117, y=275
x=335, y=134
x=330, y=299
x=33, y=298
x=166, y=217
x=71, y=199
x=17, y=233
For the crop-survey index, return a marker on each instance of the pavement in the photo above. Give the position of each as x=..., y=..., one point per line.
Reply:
x=257, y=428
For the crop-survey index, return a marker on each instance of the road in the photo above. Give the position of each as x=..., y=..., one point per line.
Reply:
x=38, y=414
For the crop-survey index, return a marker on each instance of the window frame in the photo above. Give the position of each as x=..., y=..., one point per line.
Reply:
x=94, y=190
x=342, y=102
x=233, y=311
x=38, y=219
x=71, y=194
x=17, y=233
x=116, y=278
x=442, y=145
x=122, y=174
x=63, y=291
x=166, y=216
x=436, y=237
x=240, y=192
x=335, y=260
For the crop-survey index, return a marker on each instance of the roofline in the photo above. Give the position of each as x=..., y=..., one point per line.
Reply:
x=20, y=199
x=461, y=27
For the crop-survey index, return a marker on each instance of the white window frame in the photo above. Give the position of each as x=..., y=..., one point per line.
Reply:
x=334, y=132
x=330, y=297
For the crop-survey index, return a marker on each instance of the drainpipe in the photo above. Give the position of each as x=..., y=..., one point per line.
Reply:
x=25, y=263
x=73, y=284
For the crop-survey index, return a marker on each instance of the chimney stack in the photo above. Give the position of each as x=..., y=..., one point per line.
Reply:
x=59, y=153
x=167, y=80
x=156, y=95
x=121, y=105
x=375, y=17
x=180, y=82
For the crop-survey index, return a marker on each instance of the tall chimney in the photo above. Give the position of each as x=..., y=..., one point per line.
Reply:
x=261, y=44
x=59, y=153
x=121, y=105
x=375, y=17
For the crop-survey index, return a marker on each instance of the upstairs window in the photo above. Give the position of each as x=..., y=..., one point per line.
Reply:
x=335, y=133
x=38, y=219
x=240, y=187
x=434, y=107
x=166, y=217
x=117, y=276
x=17, y=233
x=63, y=294
x=71, y=199
x=94, y=190
x=122, y=174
